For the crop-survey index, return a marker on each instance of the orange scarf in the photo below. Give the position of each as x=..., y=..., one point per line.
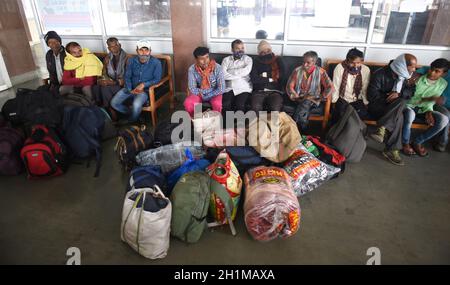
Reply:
x=204, y=73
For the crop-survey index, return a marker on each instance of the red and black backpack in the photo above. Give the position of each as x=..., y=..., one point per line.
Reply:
x=43, y=154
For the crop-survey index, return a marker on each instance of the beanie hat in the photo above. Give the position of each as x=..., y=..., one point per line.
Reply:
x=52, y=35
x=263, y=45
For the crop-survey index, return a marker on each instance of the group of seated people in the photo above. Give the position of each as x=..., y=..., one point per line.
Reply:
x=110, y=83
x=394, y=95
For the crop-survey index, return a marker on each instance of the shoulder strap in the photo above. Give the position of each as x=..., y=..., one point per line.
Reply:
x=220, y=191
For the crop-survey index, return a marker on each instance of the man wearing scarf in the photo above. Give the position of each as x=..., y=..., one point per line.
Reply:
x=236, y=69
x=309, y=86
x=112, y=79
x=81, y=69
x=55, y=59
x=206, y=82
x=351, y=79
x=266, y=76
x=389, y=89
x=142, y=71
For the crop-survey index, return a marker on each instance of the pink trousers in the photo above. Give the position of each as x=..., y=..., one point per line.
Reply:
x=192, y=100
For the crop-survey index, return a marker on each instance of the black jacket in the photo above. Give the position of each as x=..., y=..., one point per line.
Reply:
x=51, y=65
x=381, y=83
x=259, y=82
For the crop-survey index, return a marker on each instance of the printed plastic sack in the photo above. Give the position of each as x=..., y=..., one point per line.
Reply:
x=191, y=164
x=146, y=225
x=271, y=208
x=307, y=172
x=225, y=172
x=169, y=157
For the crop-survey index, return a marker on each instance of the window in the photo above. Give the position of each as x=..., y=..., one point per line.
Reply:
x=70, y=17
x=137, y=18
x=422, y=22
x=324, y=20
x=244, y=18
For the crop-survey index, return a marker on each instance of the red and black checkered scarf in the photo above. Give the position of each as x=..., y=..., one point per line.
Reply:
x=358, y=81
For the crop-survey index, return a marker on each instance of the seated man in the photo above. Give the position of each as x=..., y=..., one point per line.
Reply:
x=81, y=69
x=142, y=71
x=55, y=59
x=206, y=82
x=236, y=71
x=443, y=102
x=266, y=75
x=351, y=79
x=429, y=88
x=112, y=79
x=389, y=89
x=308, y=85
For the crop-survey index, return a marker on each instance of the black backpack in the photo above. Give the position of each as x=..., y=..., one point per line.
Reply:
x=78, y=100
x=163, y=133
x=348, y=135
x=130, y=142
x=38, y=107
x=10, y=112
x=83, y=127
x=11, y=142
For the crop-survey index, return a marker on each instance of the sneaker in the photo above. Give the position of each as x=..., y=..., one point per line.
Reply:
x=394, y=157
x=439, y=147
x=379, y=135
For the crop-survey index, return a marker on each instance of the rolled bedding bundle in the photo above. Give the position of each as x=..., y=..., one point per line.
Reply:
x=271, y=209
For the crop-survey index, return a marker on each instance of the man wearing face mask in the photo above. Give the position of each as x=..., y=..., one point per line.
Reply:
x=236, y=70
x=309, y=86
x=351, y=79
x=266, y=76
x=389, y=89
x=142, y=71
x=205, y=82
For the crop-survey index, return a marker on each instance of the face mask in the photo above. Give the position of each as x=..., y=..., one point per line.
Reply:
x=144, y=58
x=354, y=70
x=267, y=57
x=238, y=55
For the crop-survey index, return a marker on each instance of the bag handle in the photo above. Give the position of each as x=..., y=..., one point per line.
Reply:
x=223, y=195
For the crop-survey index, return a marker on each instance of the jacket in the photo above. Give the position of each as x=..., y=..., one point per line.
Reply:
x=51, y=65
x=261, y=83
x=148, y=73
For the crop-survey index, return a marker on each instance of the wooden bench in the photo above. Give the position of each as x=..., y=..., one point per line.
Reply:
x=159, y=93
x=373, y=66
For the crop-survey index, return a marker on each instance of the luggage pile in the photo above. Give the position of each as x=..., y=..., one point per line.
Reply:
x=191, y=186
x=42, y=134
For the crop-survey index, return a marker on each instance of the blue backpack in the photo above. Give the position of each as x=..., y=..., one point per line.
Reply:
x=147, y=177
x=83, y=127
x=191, y=164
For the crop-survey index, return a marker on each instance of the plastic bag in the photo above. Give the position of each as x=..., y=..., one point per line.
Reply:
x=208, y=123
x=224, y=137
x=169, y=157
x=146, y=225
x=307, y=172
x=271, y=208
x=225, y=172
x=191, y=164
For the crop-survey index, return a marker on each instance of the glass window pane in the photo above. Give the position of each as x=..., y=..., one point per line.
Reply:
x=137, y=18
x=324, y=20
x=422, y=22
x=70, y=17
x=244, y=18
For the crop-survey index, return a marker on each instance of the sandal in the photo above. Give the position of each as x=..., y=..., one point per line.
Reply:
x=408, y=150
x=420, y=150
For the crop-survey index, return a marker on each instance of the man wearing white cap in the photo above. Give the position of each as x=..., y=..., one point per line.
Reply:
x=142, y=72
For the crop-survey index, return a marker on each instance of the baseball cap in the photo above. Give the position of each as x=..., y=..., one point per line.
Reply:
x=143, y=43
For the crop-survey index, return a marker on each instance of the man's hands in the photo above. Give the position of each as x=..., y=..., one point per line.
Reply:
x=414, y=78
x=138, y=89
x=430, y=99
x=105, y=82
x=429, y=118
x=392, y=96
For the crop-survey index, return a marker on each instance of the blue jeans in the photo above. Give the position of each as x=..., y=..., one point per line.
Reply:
x=443, y=136
x=440, y=123
x=139, y=100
